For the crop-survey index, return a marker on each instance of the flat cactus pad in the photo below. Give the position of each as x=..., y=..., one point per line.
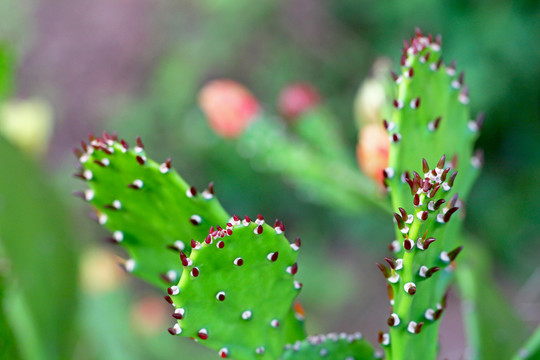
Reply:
x=237, y=290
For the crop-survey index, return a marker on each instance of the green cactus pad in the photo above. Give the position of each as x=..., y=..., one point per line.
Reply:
x=420, y=273
x=431, y=117
x=147, y=206
x=331, y=346
x=237, y=290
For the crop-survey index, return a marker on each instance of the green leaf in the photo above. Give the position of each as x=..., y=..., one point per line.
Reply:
x=38, y=240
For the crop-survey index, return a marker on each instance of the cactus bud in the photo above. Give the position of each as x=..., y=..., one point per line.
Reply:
x=372, y=151
x=229, y=107
x=296, y=99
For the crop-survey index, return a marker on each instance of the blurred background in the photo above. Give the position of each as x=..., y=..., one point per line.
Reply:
x=135, y=66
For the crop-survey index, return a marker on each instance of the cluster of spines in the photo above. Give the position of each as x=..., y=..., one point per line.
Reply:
x=218, y=237
x=417, y=263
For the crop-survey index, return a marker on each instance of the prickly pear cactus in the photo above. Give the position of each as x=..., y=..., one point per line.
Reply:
x=419, y=273
x=430, y=119
x=237, y=288
x=330, y=346
x=149, y=209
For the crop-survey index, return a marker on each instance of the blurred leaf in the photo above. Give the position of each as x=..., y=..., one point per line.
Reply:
x=7, y=71
x=493, y=330
x=8, y=347
x=38, y=242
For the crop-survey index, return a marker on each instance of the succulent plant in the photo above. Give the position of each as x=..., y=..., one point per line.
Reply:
x=430, y=119
x=231, y=280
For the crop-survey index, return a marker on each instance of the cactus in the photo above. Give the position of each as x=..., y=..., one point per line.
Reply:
x=331, y=346
x=430, y=119
x=238, y=280
x=155, y=215
x=149, y=209
x=231, y=280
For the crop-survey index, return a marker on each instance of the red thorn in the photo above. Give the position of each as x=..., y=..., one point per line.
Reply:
x=449, y=214
x=168, y=299
x=259, y=229
x=432, y=271
x=391, y=261
x=139, y=142
x=425, y=166
x=386, y=273
x=454, y=253
x=427, y=242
